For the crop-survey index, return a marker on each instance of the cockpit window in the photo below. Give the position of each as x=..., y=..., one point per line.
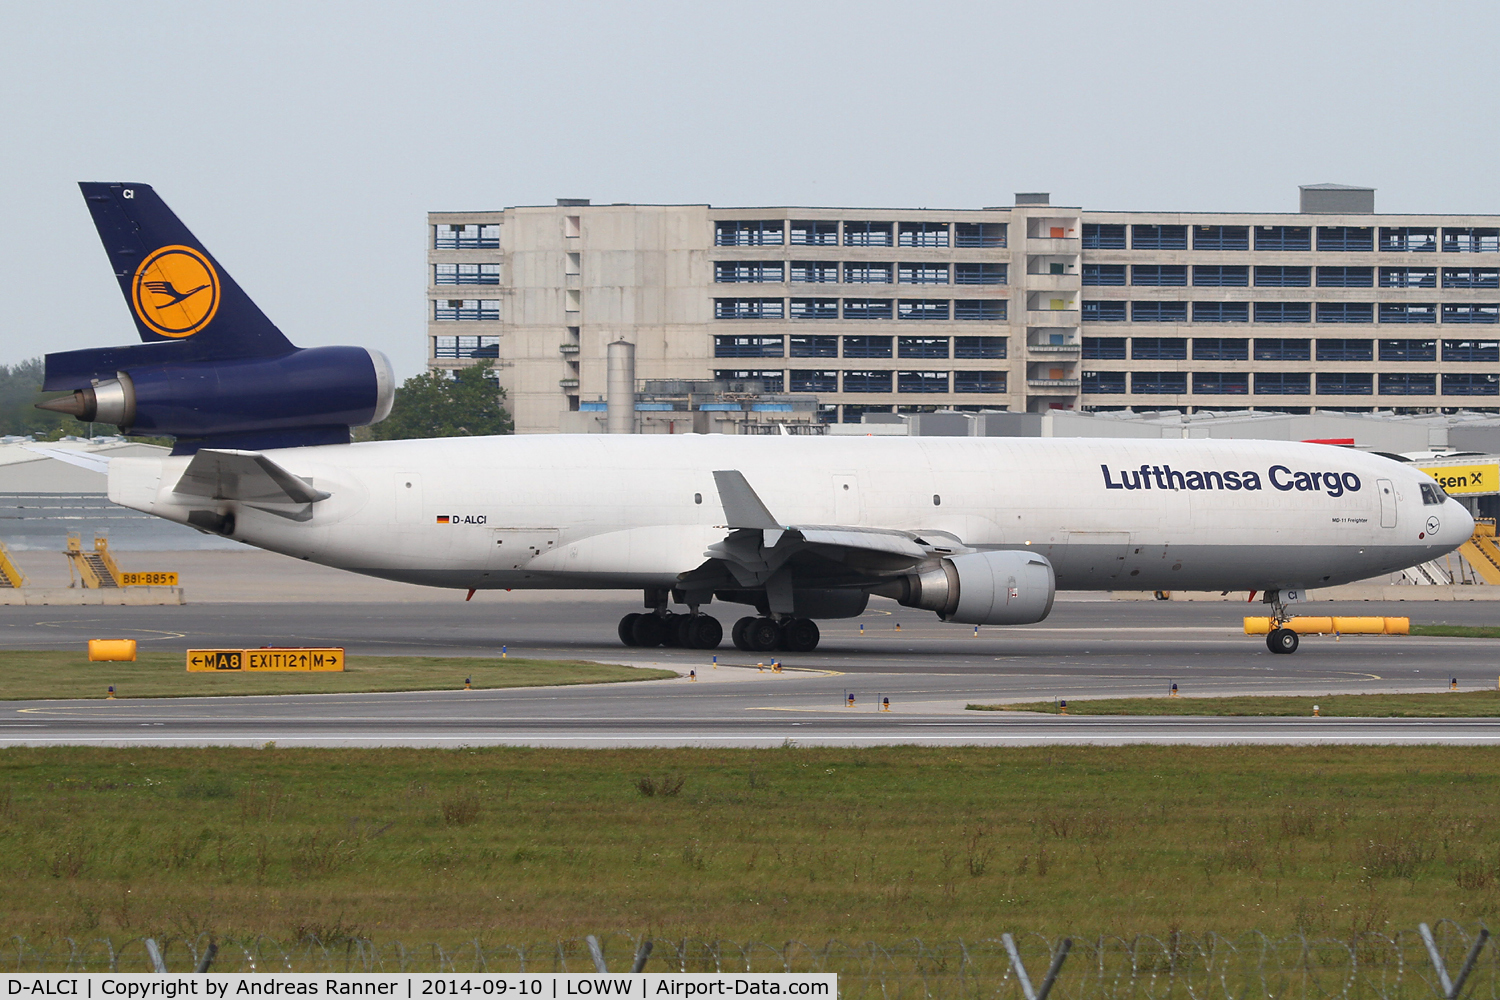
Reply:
x=1432, y=494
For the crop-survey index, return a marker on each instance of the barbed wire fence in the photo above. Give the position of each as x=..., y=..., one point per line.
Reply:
x=1446, y=962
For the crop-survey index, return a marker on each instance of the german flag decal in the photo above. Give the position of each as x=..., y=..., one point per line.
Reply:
x=442, y=519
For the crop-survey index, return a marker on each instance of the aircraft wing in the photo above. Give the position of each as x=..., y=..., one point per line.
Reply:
x=82, y=459
x=247, y=476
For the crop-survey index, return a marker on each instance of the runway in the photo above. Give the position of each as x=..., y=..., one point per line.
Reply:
x=928, y=670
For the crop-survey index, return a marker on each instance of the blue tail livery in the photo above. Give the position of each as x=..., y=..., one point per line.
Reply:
x=211, y=369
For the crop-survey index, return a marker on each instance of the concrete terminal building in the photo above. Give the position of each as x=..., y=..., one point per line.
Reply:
x=823, y=315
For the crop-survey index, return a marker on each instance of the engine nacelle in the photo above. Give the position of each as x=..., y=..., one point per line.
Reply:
x=315, y=388
x=982, y=588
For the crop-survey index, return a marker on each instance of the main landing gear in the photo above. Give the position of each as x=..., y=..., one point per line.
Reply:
x=762, y=635
x=667, y=629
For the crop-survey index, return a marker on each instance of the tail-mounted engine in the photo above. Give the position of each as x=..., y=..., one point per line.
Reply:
x=981, y=588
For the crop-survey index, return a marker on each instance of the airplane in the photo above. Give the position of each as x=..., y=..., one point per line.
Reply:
x=980, y=531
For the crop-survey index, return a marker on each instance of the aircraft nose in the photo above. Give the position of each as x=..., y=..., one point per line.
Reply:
x=1461, y=522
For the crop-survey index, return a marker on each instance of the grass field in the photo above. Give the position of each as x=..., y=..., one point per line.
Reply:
x=1446, y=705
x=26, y=676
x=1459, y=631
x=792, y=843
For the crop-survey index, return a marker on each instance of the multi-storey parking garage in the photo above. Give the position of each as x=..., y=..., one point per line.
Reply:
x=1026, y=307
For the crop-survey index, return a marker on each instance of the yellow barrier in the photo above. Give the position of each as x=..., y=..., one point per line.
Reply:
x=1312, y=625
x=263, y=660
x=112, y=649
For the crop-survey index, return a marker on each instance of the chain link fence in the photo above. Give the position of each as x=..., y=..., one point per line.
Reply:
x=1253, y=966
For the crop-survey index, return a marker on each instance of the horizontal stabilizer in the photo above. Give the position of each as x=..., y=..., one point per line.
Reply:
x=247, y=476
x=742, y=507
x=82, y=459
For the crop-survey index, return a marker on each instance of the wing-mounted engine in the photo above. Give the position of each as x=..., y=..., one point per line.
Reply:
x=980, y=588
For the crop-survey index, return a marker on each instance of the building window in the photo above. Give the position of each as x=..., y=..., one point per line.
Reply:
x=1471, y=350
x=866, y=273
x=867, y=309
x=815, y=309
x=1470, y=384
x=465, y=310
x=1407, y=239
x=1408, y=384
x=747, y=347
x=1346, y=277
x=1158, y=348
x=922, y=309
x=814, y=347
x=924, y=234
x=988, y=310
x=1221, y=237
x=854, y=414
x=1104, y=349
x=868, y=381
x=1158, y=383
x=1283, y=383
x=814, y=234
x=466, y=347
x=1282, y=349
x=1281, y=276
x=1283, y=238
x=1467, y=277
x=921, y=347
x=1103, y=274
x=1221, y=349
x=921, y=381
x=1345, y=350
x=1222, y=383
x=1345, y=384
x=1283, y=312
x=1346, y=238
x=752, y=271
x=1159, y=312
x=1408, y=277
x=1159, y=274
x=867, y=347
x=990, y=382
x=1221, y=312
x=979, y=274
x=814, y=272
x=754, y=233
x=979, y=234
x=1471, y=312
x=868, y=234
x=466, y=237
x=748, y=308
x=979, y=347
x=466, y=274
x=1103, y=383
x=1469, y=239
x=771, y=381
x=1408, y=312
x=1103, y=236
x=921, y=274
x=1158, y=237
x=804, y=380
x=1408, y=350
x=1221, y=275
x=1346, y=312
x=1102, y=311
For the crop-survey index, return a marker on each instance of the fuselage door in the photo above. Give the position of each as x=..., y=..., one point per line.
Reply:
x=408, y=498
x=1387, y=491
x=845, y=499
x=513, y=548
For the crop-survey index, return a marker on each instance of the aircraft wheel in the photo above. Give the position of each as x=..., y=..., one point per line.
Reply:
x=763, y=634
x=738, y=634
x=648, y=631
x=679, y=631
x=704, y=632
x=1282, y=640
x=801, y=635
x=626, y=629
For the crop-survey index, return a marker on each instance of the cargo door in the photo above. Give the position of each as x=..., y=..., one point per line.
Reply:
x=408, y=499
x=846, y=499
x=513, y=548
x=1387, y=493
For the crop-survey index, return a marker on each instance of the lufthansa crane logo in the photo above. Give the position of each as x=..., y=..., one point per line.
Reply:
x=176, y=291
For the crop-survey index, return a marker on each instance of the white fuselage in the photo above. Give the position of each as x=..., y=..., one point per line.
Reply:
x=598, y=511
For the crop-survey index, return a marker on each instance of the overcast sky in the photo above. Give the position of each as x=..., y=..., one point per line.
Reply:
x=304, y=142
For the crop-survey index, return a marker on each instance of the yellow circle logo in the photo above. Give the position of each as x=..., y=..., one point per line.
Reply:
x=176, y=291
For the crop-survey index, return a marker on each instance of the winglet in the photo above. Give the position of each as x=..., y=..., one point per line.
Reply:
x=742, y=507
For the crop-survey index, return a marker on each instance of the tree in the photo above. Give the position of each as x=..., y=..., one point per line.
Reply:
x=20, y=387
x=436, y=404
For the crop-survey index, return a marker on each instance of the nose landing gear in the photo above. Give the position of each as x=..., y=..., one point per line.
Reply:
x=1282, y=640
